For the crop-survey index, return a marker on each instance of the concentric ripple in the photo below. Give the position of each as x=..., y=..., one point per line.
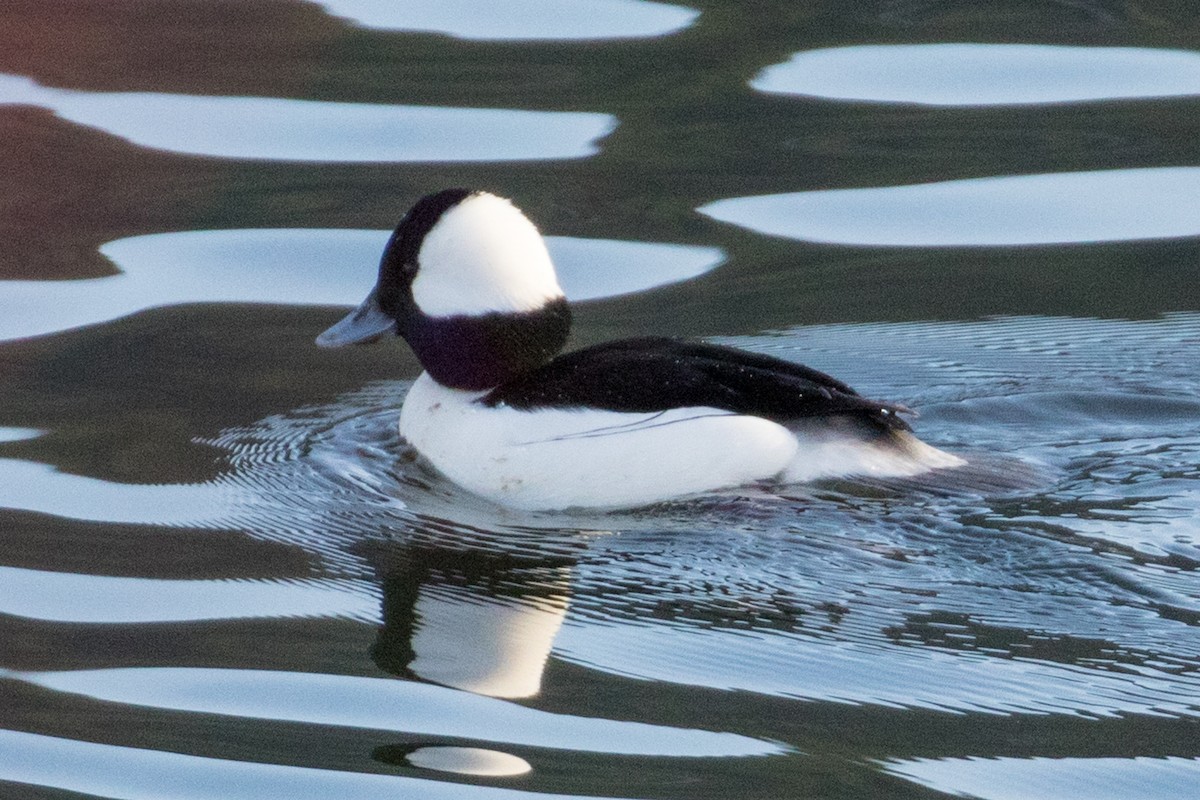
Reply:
x=1108, y=523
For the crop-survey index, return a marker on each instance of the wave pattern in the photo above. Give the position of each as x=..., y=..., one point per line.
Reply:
x=1049, y=587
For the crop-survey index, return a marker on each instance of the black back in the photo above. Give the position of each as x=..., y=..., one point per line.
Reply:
x=656, y=374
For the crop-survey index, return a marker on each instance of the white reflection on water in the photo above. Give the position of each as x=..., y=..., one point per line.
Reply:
x=1057, y=208
x=19, y=434
x=30, y=486
x=127, y=773
x=468, y=761
x=73, y=597
x=390, y=705
x=1055, y=778
x=310, y=130
x=519, y=19
x=467, y=639
x=299, y=267
x=983, y=74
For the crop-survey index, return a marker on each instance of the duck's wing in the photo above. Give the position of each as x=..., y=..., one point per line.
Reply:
x=656, y=374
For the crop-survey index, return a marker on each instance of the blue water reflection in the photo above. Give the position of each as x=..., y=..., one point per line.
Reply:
x=299, y=267
x=310, y=130
x=391, y=705
x=41, y=488
x=112, y=600
x=129, y=773
x=983, y=74
x=1056, y=778
x=522, y=19
x=1099, y=206
x=18, y=434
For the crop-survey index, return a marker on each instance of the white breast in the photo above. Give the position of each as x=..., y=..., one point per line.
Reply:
x=557, y=458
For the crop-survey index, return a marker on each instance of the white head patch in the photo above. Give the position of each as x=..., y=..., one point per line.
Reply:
x=483, y=256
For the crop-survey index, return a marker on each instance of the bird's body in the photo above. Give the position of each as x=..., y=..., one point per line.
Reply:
x=467, y=282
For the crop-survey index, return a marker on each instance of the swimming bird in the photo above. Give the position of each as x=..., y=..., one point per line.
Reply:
x=467, y=281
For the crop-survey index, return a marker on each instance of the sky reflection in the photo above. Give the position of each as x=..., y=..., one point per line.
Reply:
x=18, y=434
x=60, y=596
x=519, y=19
x=30, y=486
x=1057, y=208
x=309, y=130
x=299, y=267
x=983, y=74
x=130, y=773
x=389, y=704
x=1055, y=778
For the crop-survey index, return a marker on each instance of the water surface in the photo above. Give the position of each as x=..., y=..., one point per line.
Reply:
x=310, y=130
x=1110, y=205
x=525, y=20
x=299, y=267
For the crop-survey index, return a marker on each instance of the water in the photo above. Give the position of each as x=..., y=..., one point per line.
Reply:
x=1108, y=205
x=308, y=130
x=223, y=574
x=523, y=21
x=981, y=74
x=299, y=266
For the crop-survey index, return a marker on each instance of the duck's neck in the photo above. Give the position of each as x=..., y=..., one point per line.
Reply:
x=483, y=351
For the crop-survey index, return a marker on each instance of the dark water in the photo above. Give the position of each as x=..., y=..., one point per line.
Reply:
x=222, y=574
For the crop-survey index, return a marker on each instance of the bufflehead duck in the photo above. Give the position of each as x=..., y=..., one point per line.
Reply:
x=466, y=280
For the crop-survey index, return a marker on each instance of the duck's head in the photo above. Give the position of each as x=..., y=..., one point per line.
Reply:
x=467, y=281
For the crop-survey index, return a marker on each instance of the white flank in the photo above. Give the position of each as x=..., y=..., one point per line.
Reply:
x=564, y=458
x=827, y=452
x=554, y=458
x=484, y=256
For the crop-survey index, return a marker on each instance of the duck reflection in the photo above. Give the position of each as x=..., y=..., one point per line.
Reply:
x=477, y=621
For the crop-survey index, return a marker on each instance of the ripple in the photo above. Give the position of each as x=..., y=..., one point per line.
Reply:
x=851, y=672
x=1056, y=208
x=300, y=267
x=310, y=130
x=1057, y=778
x=127, y=773
x=390, y=705
x=521, y=20
x=984, y=74
x=1072, y=593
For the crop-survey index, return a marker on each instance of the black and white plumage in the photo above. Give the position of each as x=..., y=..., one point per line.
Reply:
x=467, y=282
x=653, y=373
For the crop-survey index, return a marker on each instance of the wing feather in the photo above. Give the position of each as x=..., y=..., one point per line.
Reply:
x=656, y=374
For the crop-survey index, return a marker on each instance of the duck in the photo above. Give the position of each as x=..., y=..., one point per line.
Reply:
x=466, y=280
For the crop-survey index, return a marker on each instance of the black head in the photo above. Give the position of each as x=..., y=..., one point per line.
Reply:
x=466, y=280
